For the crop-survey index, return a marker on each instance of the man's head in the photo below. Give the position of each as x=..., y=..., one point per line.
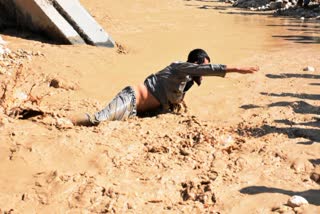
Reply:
x=198, y=56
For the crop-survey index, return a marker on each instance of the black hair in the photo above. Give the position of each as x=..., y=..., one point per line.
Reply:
x=198, y=56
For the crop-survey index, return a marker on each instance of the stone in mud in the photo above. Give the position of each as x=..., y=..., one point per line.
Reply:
x=54, y=83
x=309, y=68
x=315, y=177
x=63, y=84
x=297, y=201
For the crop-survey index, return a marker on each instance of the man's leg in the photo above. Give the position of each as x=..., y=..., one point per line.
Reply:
x=122, y=107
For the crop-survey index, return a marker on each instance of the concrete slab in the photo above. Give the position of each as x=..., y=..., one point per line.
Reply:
x=63, y=20
x=41, y=15
x=83, y=22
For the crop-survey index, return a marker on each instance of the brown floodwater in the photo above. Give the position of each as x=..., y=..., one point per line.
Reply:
x=45, y=168
x=155, y=33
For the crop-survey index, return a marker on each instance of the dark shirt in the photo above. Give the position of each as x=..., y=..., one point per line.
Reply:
x=168, y=85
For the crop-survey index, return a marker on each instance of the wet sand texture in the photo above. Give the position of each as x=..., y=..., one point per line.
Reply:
x=246, y=144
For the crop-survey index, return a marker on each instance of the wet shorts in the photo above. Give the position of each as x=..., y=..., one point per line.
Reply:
x=122, y=107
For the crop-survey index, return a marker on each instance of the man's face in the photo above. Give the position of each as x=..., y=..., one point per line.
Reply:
x=198, y=79
x=206, y=61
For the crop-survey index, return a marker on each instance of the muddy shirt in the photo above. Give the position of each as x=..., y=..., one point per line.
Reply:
x=168, y=84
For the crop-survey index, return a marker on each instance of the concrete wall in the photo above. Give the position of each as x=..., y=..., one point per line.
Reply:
x=41, y=16
x=63, y=21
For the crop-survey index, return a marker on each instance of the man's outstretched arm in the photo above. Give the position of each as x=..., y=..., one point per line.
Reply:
x=242, y=70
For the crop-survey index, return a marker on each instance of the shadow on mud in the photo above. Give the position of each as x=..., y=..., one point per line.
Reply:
x=15, y=31
x=315, y=161
x=301, y=96
x=291, y=123
x=312, y=195
x=288, y=75
x=292, y=132
x=300, y=39
x=300, y=107
x=12, y=27
x=309, y=28
x=309, y=129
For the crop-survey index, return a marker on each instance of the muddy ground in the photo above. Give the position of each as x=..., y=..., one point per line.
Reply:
x=245, y=144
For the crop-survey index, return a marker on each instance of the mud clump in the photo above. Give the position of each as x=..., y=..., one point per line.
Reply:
x=315, y=177
x=121, y=49
x=63, y=84
x=202, y=192
x=22, y=90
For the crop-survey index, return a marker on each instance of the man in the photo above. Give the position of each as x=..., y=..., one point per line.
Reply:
x=162, y=90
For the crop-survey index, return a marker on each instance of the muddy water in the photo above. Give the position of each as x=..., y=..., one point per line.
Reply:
x=154, y=33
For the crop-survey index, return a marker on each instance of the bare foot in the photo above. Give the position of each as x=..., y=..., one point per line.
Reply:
x=81, y=120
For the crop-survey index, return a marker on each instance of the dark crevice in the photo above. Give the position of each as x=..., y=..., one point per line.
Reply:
x=27, y=114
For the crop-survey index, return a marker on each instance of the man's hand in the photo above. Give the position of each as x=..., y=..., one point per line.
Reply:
x=248, y=70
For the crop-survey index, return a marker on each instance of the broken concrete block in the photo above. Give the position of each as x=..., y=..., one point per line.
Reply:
x=40, y=15
x=83, y=23
x=65, y=21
